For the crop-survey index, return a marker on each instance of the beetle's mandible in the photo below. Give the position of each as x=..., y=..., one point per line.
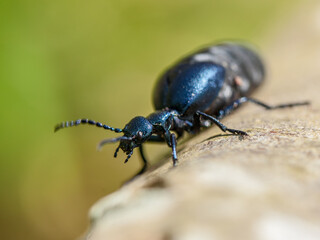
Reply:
x=206, y=85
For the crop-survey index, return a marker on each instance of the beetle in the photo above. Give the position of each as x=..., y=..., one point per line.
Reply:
x=202, y=87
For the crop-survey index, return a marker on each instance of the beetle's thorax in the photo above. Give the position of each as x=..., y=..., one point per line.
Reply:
x=137, y=131
x=162, y=120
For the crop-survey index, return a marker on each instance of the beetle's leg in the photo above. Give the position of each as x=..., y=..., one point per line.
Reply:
x=269, y=107
x=170, y=139
x=141, y=151
x=195, y=125
x=220, y=125
x=174, y=149
x=238, y=102
x=144, y=161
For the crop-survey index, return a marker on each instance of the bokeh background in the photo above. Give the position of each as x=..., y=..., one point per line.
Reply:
x=62, y=60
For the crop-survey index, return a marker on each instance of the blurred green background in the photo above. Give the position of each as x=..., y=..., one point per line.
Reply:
x=61, y=60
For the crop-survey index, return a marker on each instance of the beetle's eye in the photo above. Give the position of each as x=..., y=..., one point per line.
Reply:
x=139, y=135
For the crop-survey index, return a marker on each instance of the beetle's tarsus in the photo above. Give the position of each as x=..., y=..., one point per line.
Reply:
x=237, y=132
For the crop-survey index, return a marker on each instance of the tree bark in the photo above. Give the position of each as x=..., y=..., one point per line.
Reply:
x=265, y=186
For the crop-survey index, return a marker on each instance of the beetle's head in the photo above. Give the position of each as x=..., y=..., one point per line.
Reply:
x=137, y=131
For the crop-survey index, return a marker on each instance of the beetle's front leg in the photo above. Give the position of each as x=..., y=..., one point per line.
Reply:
x=174, y=149
x=144, y=161
x=171, y=140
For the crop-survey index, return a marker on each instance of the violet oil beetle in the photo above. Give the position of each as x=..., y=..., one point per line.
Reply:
x=204, y=86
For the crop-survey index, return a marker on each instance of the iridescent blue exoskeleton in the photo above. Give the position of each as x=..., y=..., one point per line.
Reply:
x=204, y=86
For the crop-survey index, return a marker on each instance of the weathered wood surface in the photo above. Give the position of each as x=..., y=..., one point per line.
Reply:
x=265, y=187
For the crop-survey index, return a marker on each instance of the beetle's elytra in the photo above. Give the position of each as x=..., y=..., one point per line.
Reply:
x=206, y=85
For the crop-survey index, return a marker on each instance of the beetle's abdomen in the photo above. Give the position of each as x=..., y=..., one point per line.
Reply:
x=242, y=69
x=244, y=72
x=194, y=86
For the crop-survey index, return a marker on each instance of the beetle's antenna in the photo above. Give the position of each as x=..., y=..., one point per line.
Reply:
x=129, y=156
x=85, y=121
x=112, y=140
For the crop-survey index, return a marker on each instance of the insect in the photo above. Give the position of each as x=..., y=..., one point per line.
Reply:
x=203, y=87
